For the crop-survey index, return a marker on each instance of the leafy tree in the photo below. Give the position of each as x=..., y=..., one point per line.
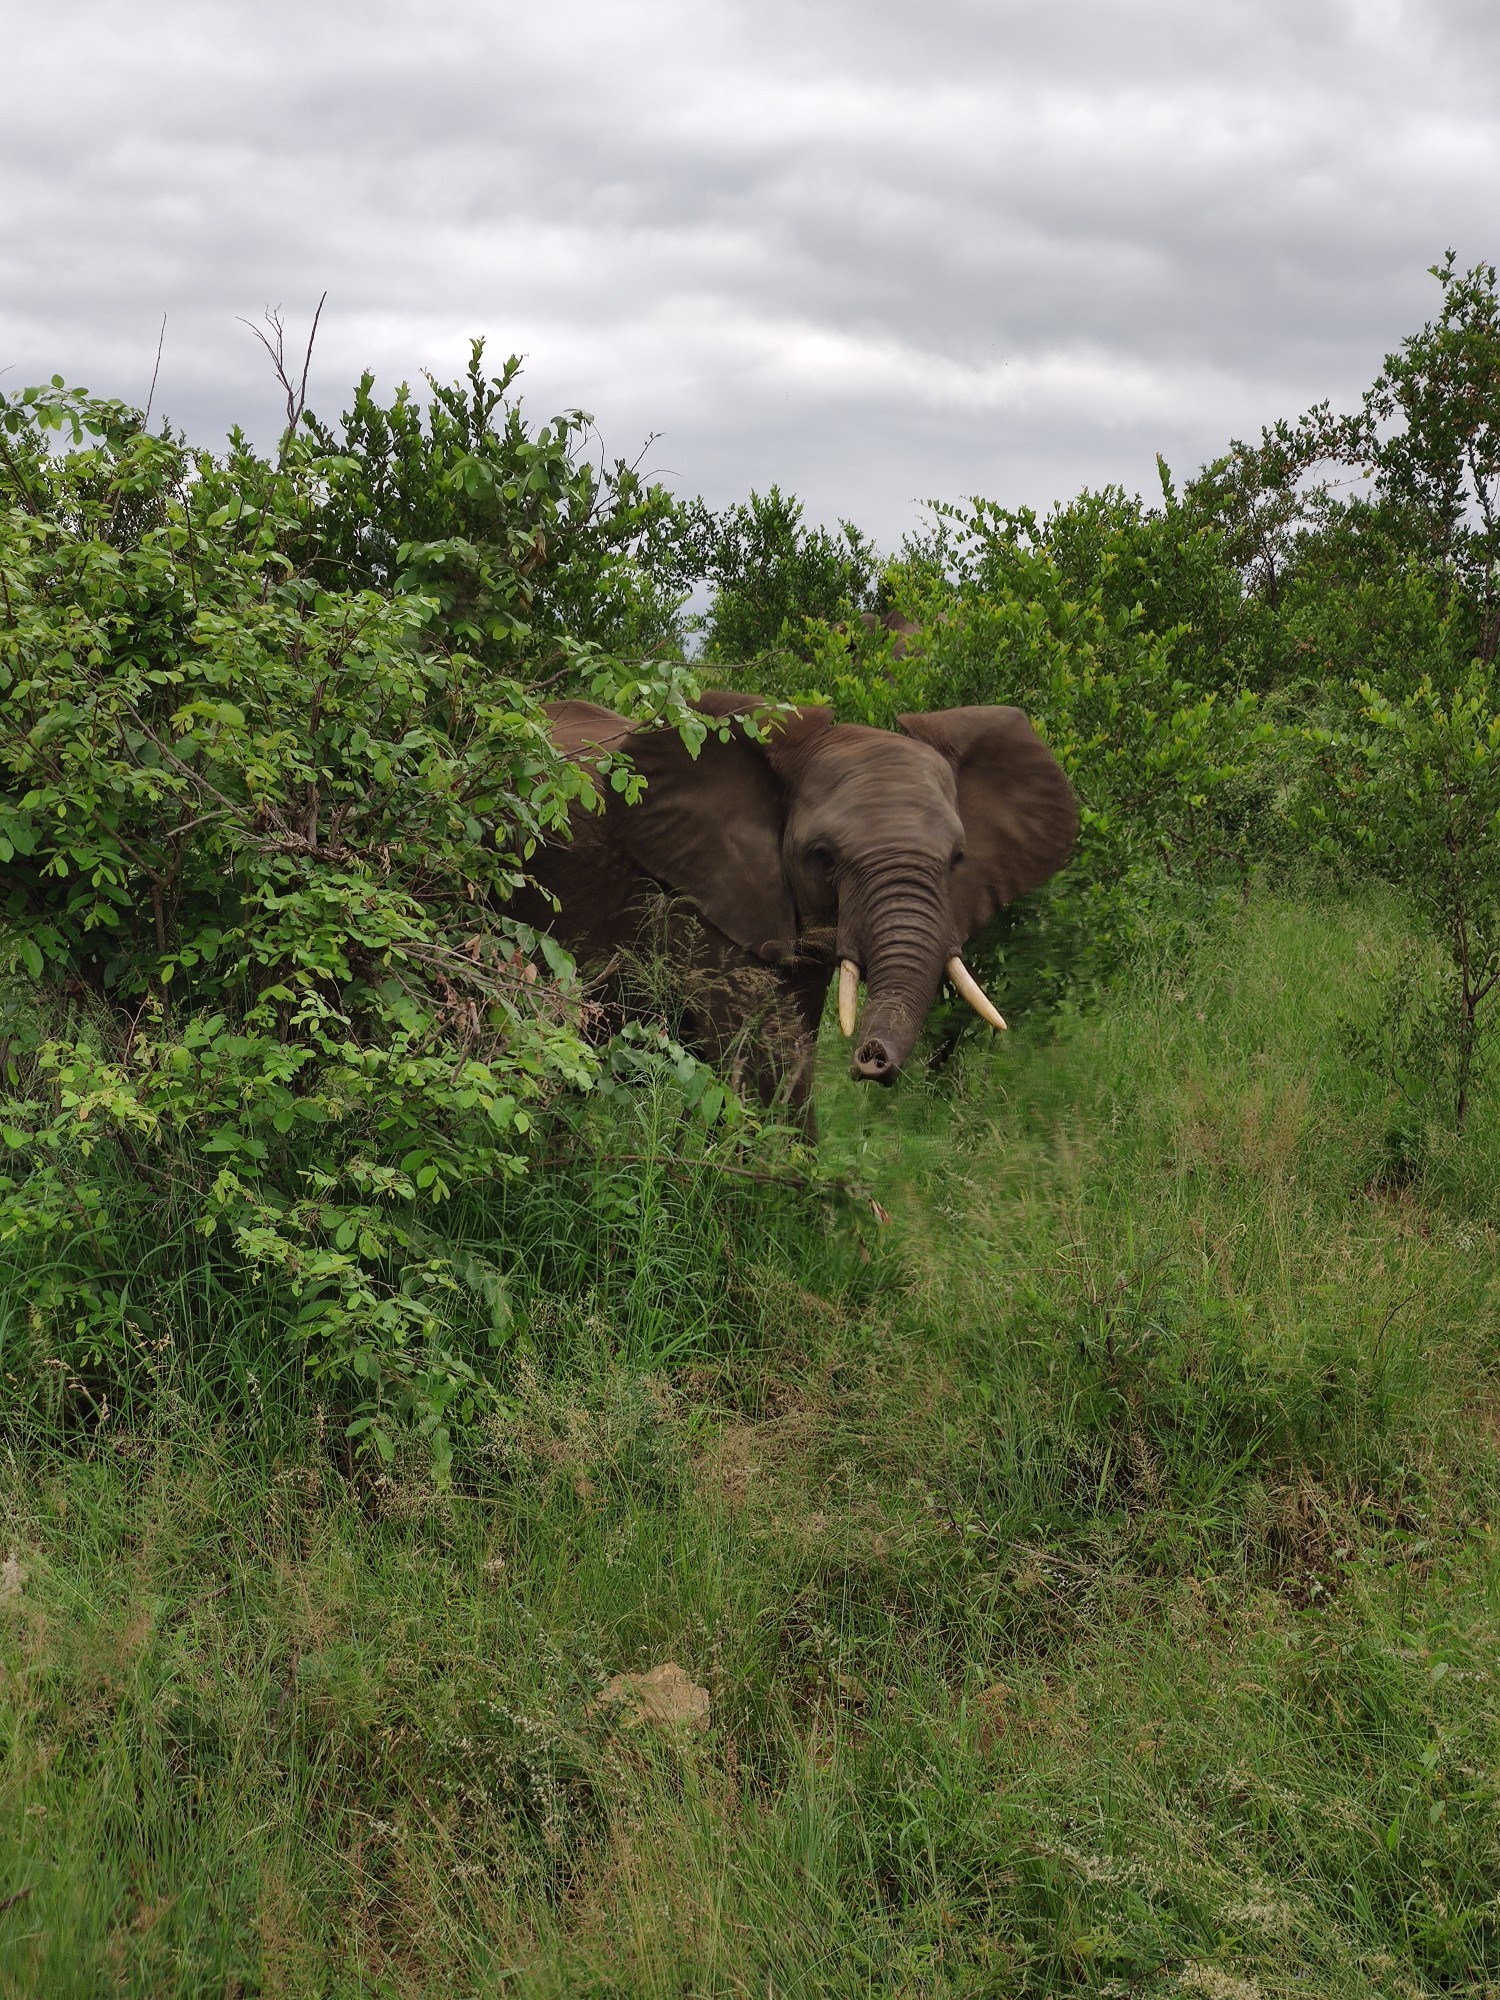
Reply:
x=1255, y=497
x=1428, y=435
x=523, y=545
x=1372, y=540
x=1413, y=784
x=1328, y=517
x=259, y=817
x=1165, y=569
x=770, y=573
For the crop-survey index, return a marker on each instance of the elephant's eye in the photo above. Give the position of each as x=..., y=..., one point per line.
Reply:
x=822, y=856
x=956, y=858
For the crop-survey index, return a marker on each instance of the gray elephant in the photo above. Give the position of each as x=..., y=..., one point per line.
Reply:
x=758, y=867
x=897, y=624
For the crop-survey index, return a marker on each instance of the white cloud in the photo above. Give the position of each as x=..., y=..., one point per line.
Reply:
x=871, y=252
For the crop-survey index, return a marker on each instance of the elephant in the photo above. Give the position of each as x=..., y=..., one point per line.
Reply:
x=790, y=848
x=897, y=624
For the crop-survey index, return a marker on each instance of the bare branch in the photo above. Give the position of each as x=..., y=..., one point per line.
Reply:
x=276, y=349
x=275, y=346
x=161, y=340
x=307, y=359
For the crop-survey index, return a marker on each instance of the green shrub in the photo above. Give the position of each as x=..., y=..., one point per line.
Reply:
x=770, y=574
x=517, y=541
x=1412, y=785
x=256, y=836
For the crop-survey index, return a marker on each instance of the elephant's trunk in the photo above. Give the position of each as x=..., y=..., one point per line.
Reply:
x=894, y=923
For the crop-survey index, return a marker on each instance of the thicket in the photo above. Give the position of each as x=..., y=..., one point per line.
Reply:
x=272, y=757
x=1288, y=661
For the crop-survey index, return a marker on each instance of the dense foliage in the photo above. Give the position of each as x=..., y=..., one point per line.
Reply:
x=524, y=549
x=1289, y=659
x=473, y=1515
x=263, y=794
x=769, y=572
x=272, y=757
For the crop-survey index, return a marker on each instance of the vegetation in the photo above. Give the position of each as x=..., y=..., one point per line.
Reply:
x=769, y=574
x=485, y=1513
x=1095, y=1591
x=259, y=822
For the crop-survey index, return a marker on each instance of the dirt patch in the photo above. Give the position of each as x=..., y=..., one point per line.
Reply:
x=740, y=1457
x=666, y=1699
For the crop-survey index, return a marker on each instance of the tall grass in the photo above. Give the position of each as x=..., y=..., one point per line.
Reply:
x=1092, y=1573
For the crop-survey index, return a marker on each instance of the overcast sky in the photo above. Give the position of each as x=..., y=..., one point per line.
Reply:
x=874, y=251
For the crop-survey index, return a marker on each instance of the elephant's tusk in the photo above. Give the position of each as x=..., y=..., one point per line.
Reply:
x=848, y=995
x=965, y=984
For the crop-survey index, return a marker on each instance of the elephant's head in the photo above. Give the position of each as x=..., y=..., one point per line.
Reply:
x=882, y=852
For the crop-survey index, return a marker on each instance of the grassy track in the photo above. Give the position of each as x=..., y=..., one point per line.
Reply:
x=1096, y=1590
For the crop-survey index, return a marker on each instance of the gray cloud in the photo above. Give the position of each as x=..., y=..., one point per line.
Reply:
x=871, y=252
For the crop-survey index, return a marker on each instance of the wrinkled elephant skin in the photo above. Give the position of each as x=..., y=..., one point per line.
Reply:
x=759, y=865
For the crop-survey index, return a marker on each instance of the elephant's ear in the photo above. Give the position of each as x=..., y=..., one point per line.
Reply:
x=1020, y=817
x=708, y=826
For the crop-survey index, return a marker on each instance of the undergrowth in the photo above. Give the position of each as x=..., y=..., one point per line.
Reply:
x=1091, y=1569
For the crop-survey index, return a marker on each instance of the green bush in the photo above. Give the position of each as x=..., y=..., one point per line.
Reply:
x=770, y=574
x=1412, y=786
x=257, y=830
x=519, y=543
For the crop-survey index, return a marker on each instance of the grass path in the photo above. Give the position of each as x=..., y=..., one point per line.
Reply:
x=1095, y=1591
